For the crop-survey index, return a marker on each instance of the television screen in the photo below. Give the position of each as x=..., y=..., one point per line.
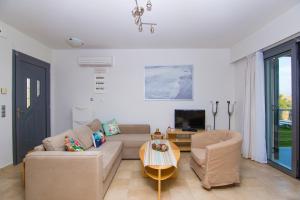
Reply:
x=190, y=119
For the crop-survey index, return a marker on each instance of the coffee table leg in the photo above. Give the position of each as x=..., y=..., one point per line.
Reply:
x=143, y=171
x=159, y=183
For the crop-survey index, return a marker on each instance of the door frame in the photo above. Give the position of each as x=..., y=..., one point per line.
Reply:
x=294, y=46
x=39, y=63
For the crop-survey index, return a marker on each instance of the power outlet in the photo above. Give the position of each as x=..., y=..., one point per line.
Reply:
x=3, y=90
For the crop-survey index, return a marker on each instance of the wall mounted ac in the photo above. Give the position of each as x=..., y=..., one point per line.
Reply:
x=101, y=61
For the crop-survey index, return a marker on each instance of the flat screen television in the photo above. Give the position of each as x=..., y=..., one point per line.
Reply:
x=190, y=120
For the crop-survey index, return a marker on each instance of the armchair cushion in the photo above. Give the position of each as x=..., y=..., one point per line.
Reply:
x=199, y=155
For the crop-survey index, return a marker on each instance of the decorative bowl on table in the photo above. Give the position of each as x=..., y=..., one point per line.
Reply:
x=160, y=147
x=157, y=132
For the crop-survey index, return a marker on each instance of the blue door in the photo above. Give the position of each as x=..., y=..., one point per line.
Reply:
x=31, y=104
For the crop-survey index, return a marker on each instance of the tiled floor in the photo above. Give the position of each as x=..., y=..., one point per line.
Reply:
x=259, y=182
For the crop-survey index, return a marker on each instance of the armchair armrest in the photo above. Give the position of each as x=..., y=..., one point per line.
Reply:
x=63, y=175
x=201, y=140
x=224, y=157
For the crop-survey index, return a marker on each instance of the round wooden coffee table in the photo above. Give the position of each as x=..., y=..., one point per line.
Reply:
x=157, y=172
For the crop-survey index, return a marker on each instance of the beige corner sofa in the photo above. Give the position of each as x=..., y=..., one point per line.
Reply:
x=52, y=173
x=215, y=157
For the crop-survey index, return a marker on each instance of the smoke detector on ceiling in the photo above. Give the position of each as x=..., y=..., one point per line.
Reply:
x=75, y=42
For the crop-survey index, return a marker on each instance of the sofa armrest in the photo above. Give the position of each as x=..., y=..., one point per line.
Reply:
x=64, y=175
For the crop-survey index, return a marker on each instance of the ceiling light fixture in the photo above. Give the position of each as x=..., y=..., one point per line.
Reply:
x=75, y=42
x=137, y=20
x=137, y=14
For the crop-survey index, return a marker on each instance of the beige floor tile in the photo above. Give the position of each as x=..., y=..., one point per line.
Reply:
x=144, y=193
x=202, y=194
x=258, y=182
x=123, y=174
x=116, y=194
x=120, y=183
x=180, y=193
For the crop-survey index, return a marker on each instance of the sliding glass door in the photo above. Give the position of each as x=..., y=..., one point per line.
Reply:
x=282, y=107
x=280, y=102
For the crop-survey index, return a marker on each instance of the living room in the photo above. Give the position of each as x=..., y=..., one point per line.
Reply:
x=137, y=66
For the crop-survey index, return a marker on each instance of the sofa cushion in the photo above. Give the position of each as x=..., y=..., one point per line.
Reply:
x=134, y=128
x=199, y=155
x=71, y=144
x=84, y=135
x=95, y=125
x=39, y=148
x=110, y=151
x=57, y=142
x=111, y=128
x=130, y=140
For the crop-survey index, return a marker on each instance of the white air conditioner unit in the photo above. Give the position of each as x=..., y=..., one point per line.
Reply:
x=102, y=61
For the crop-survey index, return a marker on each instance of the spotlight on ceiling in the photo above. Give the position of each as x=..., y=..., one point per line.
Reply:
x=75, y=42
x=140, y=28
x=152, y=29
x=149, y=5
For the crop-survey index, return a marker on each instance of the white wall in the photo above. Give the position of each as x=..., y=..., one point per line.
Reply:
x=13, y=39
x=280, y=28
x=124, y=99
x=240, y=85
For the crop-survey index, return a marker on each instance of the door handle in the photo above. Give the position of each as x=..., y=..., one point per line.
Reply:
x=19, y=112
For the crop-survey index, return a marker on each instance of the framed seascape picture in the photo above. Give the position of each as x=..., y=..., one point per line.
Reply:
x=173, y=82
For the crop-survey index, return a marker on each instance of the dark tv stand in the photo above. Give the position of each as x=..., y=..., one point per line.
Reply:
x=189, y=129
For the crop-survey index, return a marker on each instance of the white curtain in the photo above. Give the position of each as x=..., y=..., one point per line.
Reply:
x=254, y=137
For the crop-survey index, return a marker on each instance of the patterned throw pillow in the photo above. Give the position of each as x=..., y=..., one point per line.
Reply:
x=103, y=137
x=98, y=138
x=111, y=128
x=72, y=144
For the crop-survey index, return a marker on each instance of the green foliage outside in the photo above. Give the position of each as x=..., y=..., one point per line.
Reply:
x=284, y=102
x=285, y=133
x=285, y=136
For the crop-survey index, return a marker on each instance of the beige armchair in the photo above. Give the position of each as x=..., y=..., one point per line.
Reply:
x=215, y=157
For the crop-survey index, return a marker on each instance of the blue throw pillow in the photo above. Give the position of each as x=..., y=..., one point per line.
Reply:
x=96, y=140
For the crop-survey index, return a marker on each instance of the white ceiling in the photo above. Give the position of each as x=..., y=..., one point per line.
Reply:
x=109, y=23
